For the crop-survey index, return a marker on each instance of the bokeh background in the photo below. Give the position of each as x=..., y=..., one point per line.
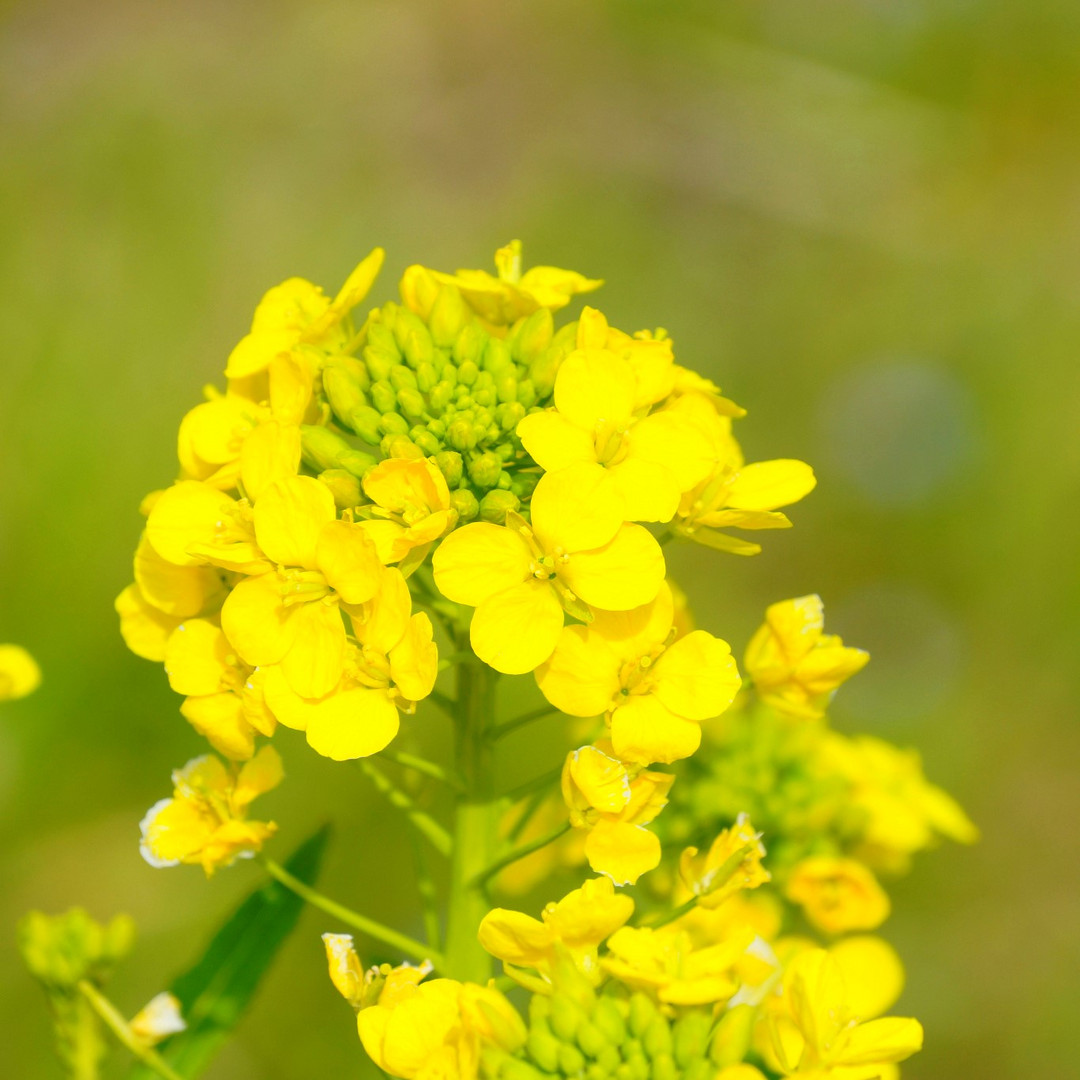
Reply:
x=859, y=216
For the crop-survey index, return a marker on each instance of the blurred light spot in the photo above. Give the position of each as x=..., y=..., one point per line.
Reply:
x=915, y=649
x=899, y=430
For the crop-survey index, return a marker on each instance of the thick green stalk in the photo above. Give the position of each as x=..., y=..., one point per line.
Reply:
x=476, y=823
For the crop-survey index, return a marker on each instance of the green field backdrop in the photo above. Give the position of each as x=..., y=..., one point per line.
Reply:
x=861, y=217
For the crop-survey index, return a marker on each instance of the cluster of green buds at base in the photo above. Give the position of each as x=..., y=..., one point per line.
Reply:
x=431, y=381
x=610, y=1036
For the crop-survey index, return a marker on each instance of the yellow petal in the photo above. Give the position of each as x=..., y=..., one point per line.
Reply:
x=287, y=706
x=185, y=514
x=696, y=676
x=220, y=719
x=289, y=516
x=19, y=673
x=625, y=573
x=398, y=484
x=516, y=630
x=254, y=351
x=890, y=1039
x=767, y=485
x=872, y=971
x=553, y=287
x=581, y=677
x=515, y=938
x=270, y=453
x=594, y=385
x=352, y=724
x=349, y=561
x=814, y=993
x=644, y=730
x=623, y=852
x=414, y=662
x=554, y=442
x=314, y=664
x=259, y=775
x=178, y=591
x=576, y=508
x=648, y=491
x=197, y=658
x=292, y=305
x=823, y=669
x=602, y=781
x=174, y=829
x=144, y=628
x=382, y=622
x=291, y=386
x=358, y=283
x=591, y=914
x=212, y=434
x=256, y=621
x=478, y=560
x=670, y=439
x=631, y=634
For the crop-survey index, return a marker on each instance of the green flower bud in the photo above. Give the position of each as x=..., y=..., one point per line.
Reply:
x=61, y=950
x=484, y=469
x=609, y=1057
x=484, y=396
x=344, y=486
x=427, y=442
x=642, y=1013
x=357, y=462
x=406, y=324
x=465, y=503
x=639, y=1067
x=690, y=1037
x=366, y=422
x=381, y=337
x=344, y=386
x=543, y=1048
x=450, y=465
x=449, y=375
x=607, y=1017
x=400, y=446
x=383, y=397
x=419, y=348
x=506, y=387
x=566, y=1015
x=379, y=362
x=589, y=1037
x=321, y=448
x=657, y=1037
x=596, y=1071
x=449, y=316
x=426, y=377
x=509, y=415
x=392, y=423
x=731, y=1041
x=517, y=1069
x=470, y=344
x=440, y=396
x=571, y=1060
x=467, y=372
x=401, y=376
x=461, y=435
x=622, y=1071
x=411, y=402
x=664, y=1068
x=535, y=335
x=526, y=393
x=701, y=1069
x=497, y=358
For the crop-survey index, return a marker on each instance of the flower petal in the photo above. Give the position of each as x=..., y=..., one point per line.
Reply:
x=766, y=485
x=478, y=560
x=696, y=676
x=289, y=516
x=643, y=730
x=625, y=573
x=623, y=852
x=314, y=665
x=256, y=622
x=581, y=677
x=348, y=559
x=593, y=386
x=516, y=630
x=352, y=724
x=554, y=442
x=576, y=508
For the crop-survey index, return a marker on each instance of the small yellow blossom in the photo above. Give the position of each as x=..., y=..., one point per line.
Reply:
x=577, y=554
x=838, y=894
x=391, y=666
x=19, y=673
x=290, y=616
x=346, y=971
x=873, y=974
x=615, y=803
x=734, y=494
x=224, y=696
x=411, y=508
x=732, y=863
x=820, y=1037
x=666, y=964
x=297, y=313
x=794, y=664
x=205, y=821
x=655, y=690
x=576, y=924
x=159, y=1018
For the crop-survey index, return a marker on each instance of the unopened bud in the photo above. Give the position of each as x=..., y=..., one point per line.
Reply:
x=381, y=337
x=484, y=469
x=497, y=358
x=428, y=443
x=690, y=1037
x=449, y=316
x=731, y=1040
x=344, y=381
x=535, y=335
x=346, y=971
x=419, y=348
x=461, y=435
x=383, y=397
x=465, y=503
x=450, y=465
x=392, y=423
x=400, y=446
x=379, y=361
x=526, y=393
x=418, y=290
x=467, y=372
x=607, y=1017
x=470, y=344
x=411, y=402
x=344, y=486
x=366, y=423
x=321, y=448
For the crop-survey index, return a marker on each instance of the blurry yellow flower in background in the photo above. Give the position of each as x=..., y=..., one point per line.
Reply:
x=19, y=673
x=205, y=820
x=732, y=863
x=795, y=666
x=838, y=894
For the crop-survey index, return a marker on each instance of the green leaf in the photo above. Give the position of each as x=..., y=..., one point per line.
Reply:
x=215, y=992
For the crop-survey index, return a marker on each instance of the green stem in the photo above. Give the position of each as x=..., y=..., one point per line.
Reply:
x=429, y=895
x=422, y=765
x=373, y=929
x=507, y=726
x=116, y=1023
x=537, y=783
x=424, y=823
x=477, y=818
x=521, y=852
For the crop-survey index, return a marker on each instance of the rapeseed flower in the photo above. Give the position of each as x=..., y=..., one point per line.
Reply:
x=411, y=508
x=205, y=821
x=19, y=672
x=732, y=863
x=838, y=894
x=654, y=689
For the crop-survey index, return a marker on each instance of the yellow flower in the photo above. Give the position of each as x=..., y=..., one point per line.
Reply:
x=615, y=804
x=655, y=690
x=873, y=974
x=392, y=666
x=732, y=863
x=820, y=1036
x=205, y=821
x=577, y=554
x=290, y=616
x=295, y=313
x=647, y=461
x=501, y=300
x=837, y=894
x=346, y=971
x=794, y=664
x=19, y=673
x=412, y=508
x=575, y=925
x=665, y=964
x=144, y=628
x=734, y=494
x=224, y=696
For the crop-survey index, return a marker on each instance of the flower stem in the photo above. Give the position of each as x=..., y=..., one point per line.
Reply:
x=521, y=852
x=499, y=730
x=373, y=929
x=423, y=823
x=422, y=765
x=116, y=1023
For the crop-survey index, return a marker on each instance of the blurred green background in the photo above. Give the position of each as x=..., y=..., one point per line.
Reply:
x=859, y=216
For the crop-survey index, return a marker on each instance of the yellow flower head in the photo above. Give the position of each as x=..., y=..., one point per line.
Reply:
x=501, y=299
x=412, y=507
x=205, y=821
x=655, y=689
x=732, y=863
x=19, y=673
x=575, y=925
x=290, y=615
x=838, y=894
x=794, y=664
x=818, y=1035
x=665, y=964
x=615, y=803
x=734, y=494
x=873, y=974
x=224, y=696
x=576, y=555
x=391, y=665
